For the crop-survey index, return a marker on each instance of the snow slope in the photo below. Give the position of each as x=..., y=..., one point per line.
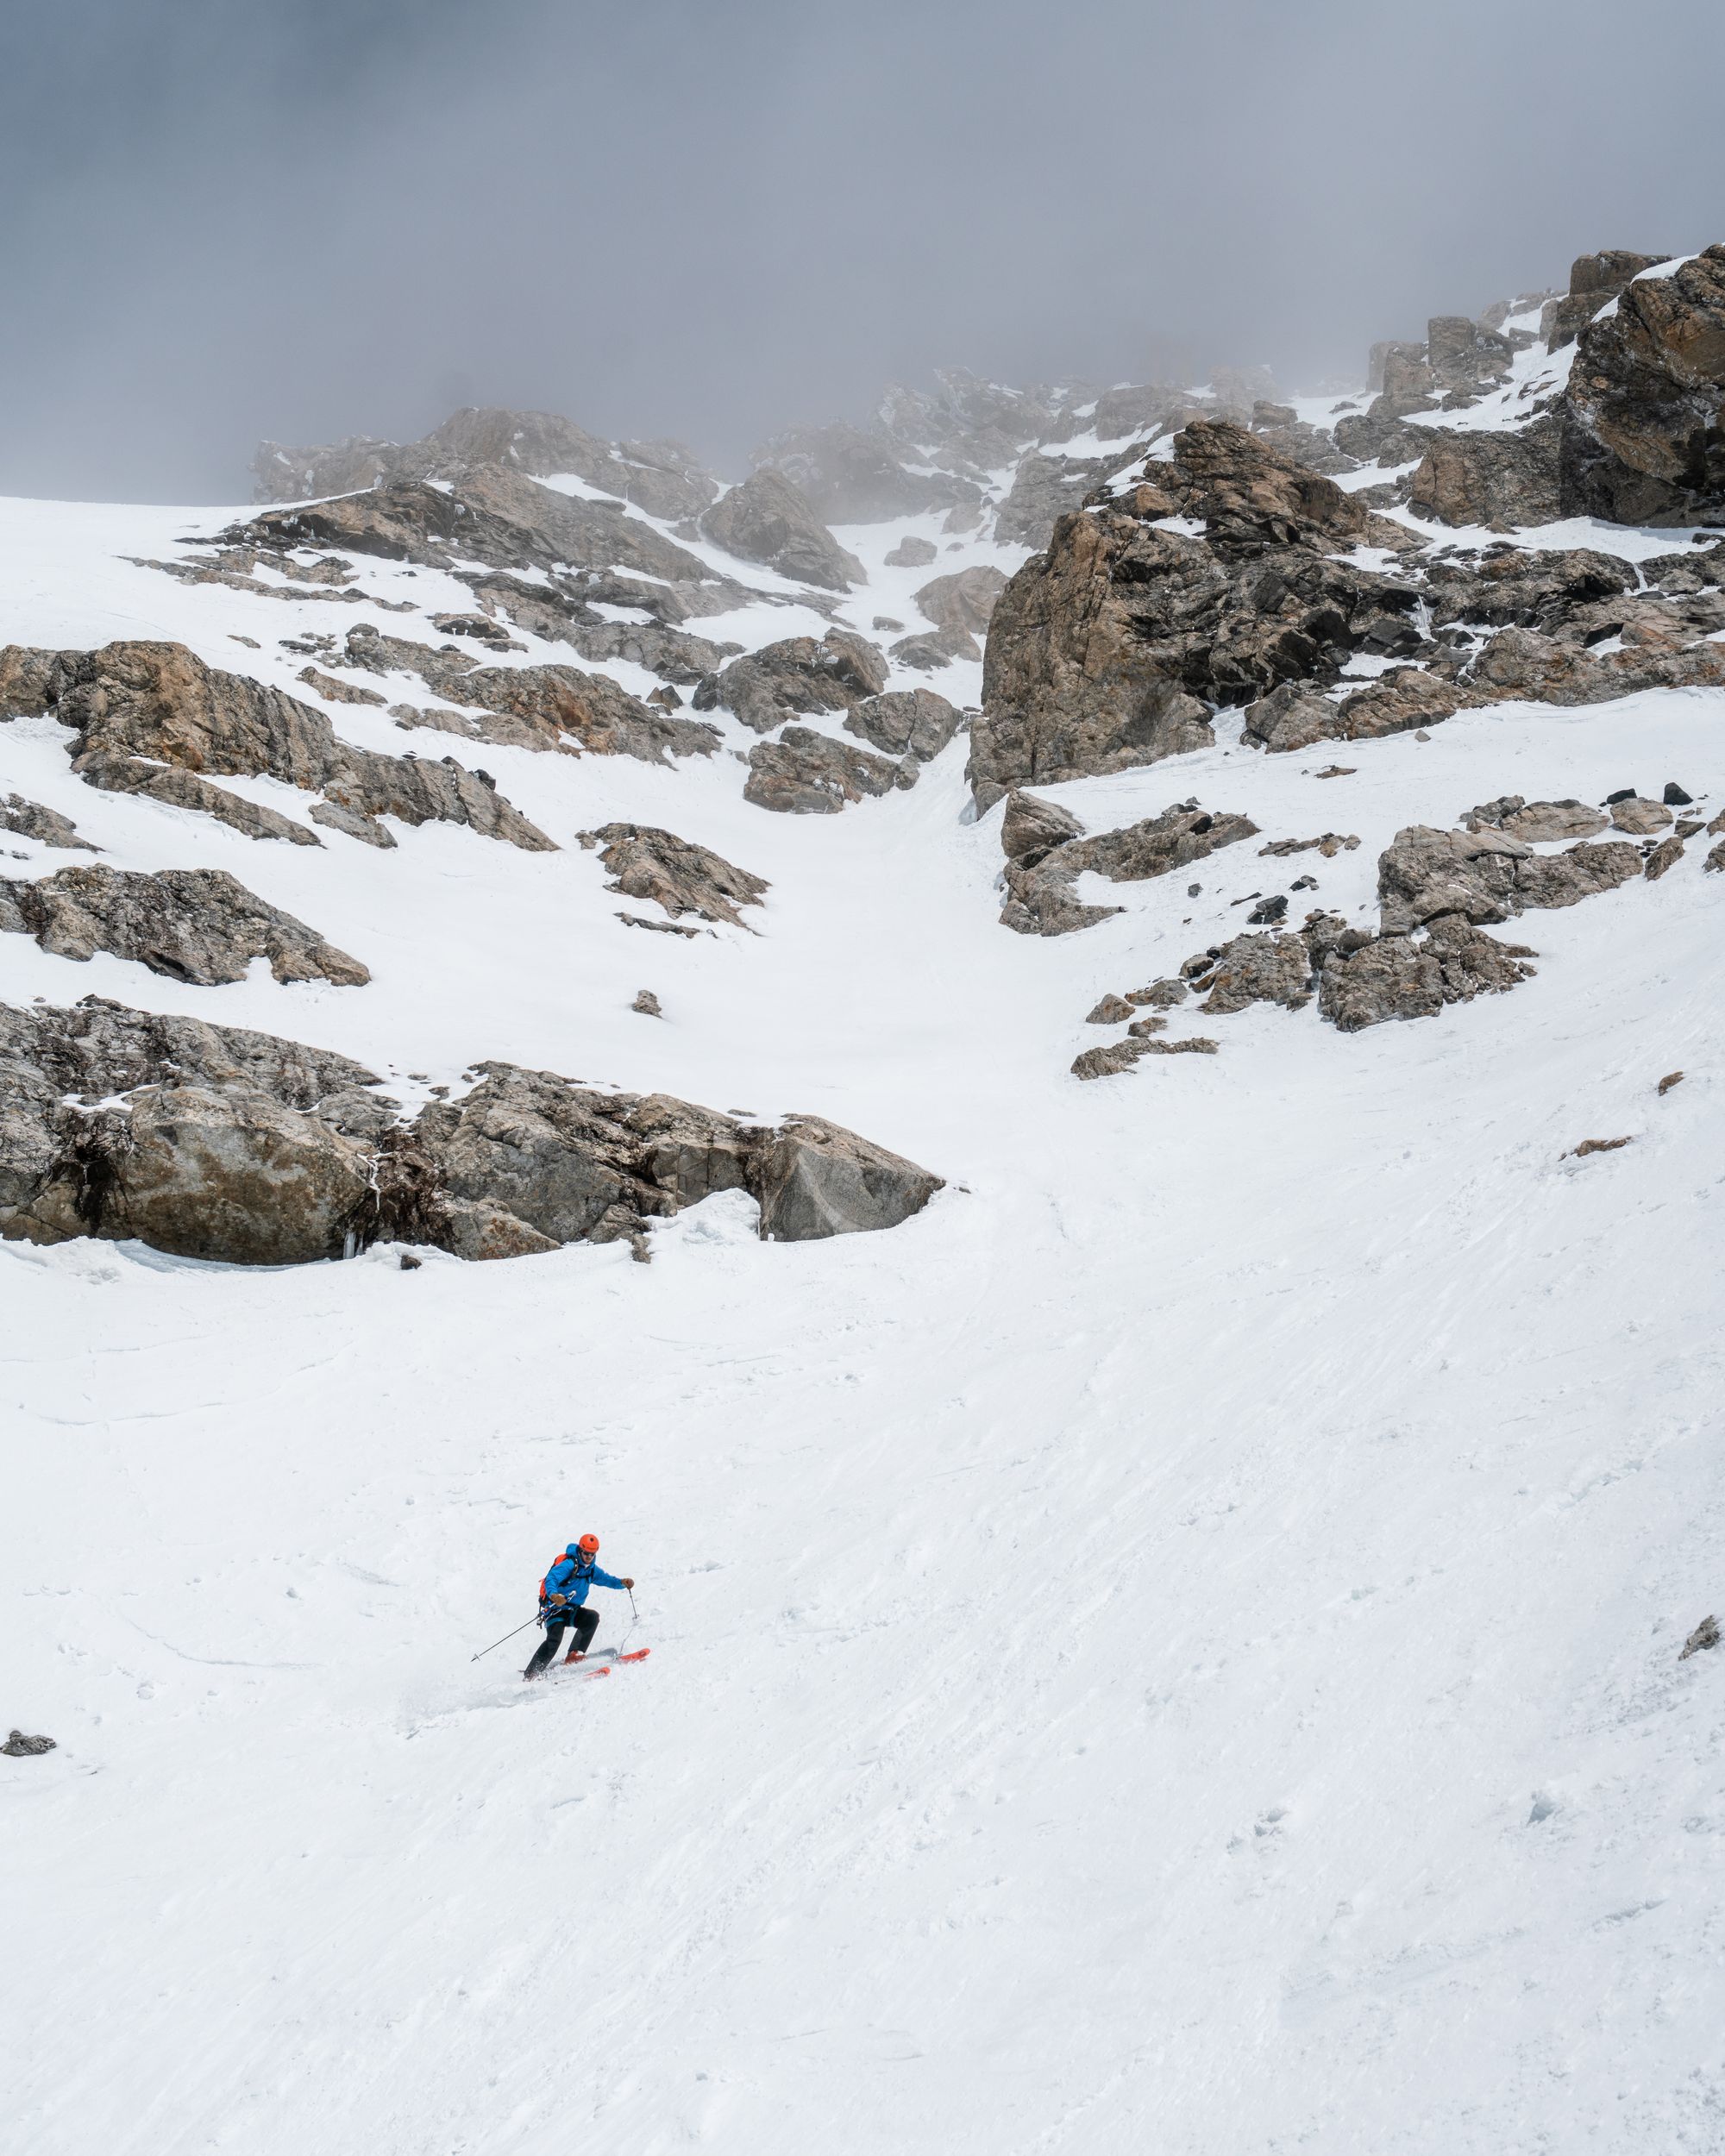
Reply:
x=1174, y=1648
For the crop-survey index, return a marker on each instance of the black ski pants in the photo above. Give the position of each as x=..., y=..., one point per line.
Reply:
x=584, y=1623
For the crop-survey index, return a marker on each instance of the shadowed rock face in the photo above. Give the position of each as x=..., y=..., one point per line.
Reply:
x=29, y=819
x=195, y=925
x=1593, y=280
x=239, y=1147
x=135, y=707
x=766, y=520
x=1486, y=875
x=1644, y=414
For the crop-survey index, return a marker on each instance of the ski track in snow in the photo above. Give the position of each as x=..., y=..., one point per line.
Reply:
x=1174, y=1648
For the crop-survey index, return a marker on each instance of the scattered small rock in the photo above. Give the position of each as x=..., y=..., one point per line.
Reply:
x=647, y=1004
x=1600, y=1145
x=1112, y=1010
x=410, y=1263
x=1671, y=1078
x=1163, y=995
x=1337, y=771
x=1274, y=909
x=1639, y=818
x=1665, y=855
x=1142, y=1029
x=19, y=1747
x=1706, y=1634
x=1674, y=796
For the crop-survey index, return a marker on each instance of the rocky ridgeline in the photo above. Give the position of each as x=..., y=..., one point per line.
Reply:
x=214, y=1143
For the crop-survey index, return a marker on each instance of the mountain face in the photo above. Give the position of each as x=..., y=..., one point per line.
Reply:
x=1200, y=900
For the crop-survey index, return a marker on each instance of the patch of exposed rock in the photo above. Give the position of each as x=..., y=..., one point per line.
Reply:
x=663, y=477
x=808, y=773
x=135, y=707
x=549, y=707
x=493, y=516
x=904, y=722
x=655, y=865
x=218, y=1144
x=1644, y=412
x=1486, y=876
x=29, y=819
x=1368, y=980
x=193, y=924
x=1593, y=281
x=766, y=519
x=1294, y=716
x=1536, y=823
x=1112, y=648
x=1489, y=478
x=794, y=677
x=960, y=606
x=1041, y=882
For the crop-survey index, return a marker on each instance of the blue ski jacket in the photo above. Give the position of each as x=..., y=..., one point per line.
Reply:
x=572, y=1576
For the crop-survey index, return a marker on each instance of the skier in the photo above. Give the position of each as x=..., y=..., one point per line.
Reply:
x=562, y=1598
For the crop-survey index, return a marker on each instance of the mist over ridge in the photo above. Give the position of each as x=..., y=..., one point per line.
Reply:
x=229, y=223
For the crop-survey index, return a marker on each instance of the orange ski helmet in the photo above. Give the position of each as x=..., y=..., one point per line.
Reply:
x=589, y=1546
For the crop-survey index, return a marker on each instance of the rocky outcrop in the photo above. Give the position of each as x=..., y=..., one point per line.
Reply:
x=1497, y=480
x=1593, y=281
x=657, y=866
x=193, y=924
x=1486, y=876
x=912, y=552
x=807, y=774
x=1368, y=980
x=1644, y=414
x=185, y=790
x=1031, y=829
x=237, y=1147
x=766, y=520
x=135, y=706
x=1040, y=883
x=1112, y=648
x=29, y=819
x=814, y=1179
x=1522, y=588
x=547, y=707
x=1270, y=968
x=796, y=676
x=961, y=606
x=1294, y=716
x=904, y=722
x=663, y=477
x=1524, y=666
x=1534, y=822
x=493, y=516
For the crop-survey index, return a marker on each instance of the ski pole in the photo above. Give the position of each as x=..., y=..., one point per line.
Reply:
x=497, y=1643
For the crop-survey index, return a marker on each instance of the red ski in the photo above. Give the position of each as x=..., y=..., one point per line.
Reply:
x=603, y=1663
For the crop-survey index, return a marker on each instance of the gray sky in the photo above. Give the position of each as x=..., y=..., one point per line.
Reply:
x=308, y=218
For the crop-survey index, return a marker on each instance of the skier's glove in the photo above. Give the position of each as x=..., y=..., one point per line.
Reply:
x=557, y=1601
x=630, y=1584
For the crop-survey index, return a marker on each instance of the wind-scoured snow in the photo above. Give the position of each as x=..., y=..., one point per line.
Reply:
x=1174, y=1648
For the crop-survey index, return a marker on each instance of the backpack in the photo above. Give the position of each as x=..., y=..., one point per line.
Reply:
x=545, y=1584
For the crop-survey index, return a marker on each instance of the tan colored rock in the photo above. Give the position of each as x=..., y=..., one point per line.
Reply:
x=1639, y=818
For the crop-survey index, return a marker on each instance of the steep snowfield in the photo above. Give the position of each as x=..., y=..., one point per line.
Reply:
x=1173, y=1648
